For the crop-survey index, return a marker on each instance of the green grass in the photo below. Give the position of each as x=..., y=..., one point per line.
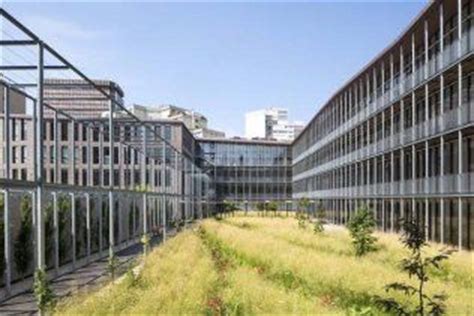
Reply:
x=252, y=265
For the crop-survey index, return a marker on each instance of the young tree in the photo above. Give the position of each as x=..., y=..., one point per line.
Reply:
x=416, y=266
x=272, y=206
x=261, y=208
x=320, y=219
x=23, y=244
x=361, y=228
x=44, y=294
x=301, y=215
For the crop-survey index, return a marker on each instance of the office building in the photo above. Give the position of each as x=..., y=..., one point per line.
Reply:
x=399, y=137
x=272, y=124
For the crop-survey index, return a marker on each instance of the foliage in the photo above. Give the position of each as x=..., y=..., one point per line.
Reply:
x=417, y=266
x=229, y=207
x=64, y=211
x=105, y=223
x=145, y=240
x=23, y=247
x=261, y=207
x=320, y=219
x=275, y=268
x=303, y=204
x=302, y=219
x=112, y=265
x=49, y=233
x=44, y=295
x=361, y=228
x=272, y=206
x=2, y=236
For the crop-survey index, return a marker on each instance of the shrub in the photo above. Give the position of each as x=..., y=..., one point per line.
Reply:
x=44, y=295
x=301, y=214
x=416, y=266
x=320, y=219
x=272, y=207
x=23, y=251
x=2, y=236
x=261, y=207
x=361, y=227
x=112, y=265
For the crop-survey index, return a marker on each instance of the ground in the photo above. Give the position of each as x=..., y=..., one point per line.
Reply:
x=253, y=265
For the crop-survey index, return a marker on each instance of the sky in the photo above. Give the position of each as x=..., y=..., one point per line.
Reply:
x=221, y=58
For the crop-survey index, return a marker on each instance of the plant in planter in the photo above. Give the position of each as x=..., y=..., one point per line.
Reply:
x=22, y=249
x=416, y=265
x=64, y=211
x=361, y=227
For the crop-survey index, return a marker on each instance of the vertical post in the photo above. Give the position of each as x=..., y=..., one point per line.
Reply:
x=56, y=147
x=73, y=228
x=144, y=195
x=111, y=179
x=56, y=233
x=460, y=186
x=6, y=196
x=88, y=225
x=163, y=179
x=39, y=161
x=441, y=172
x=101, y=233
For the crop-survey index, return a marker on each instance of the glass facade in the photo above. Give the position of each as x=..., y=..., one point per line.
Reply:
x=248, y=170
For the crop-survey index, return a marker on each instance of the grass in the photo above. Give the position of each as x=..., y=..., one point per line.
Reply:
x=264, y=265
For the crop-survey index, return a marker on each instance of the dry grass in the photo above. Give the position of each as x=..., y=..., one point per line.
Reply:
x=252, y=265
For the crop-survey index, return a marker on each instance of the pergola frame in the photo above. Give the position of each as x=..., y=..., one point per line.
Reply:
x=152, y=147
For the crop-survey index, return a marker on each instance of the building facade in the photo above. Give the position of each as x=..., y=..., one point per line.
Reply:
x=248, y=171
x=79, y=98
x=399, y=135
x=271, y=124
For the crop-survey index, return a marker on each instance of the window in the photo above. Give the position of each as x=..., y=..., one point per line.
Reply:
x=64, y=176
x=95, y=155
x=84, y=154
x=64, y=154
x=23, y=154
x=64, y=131
x=84, y=132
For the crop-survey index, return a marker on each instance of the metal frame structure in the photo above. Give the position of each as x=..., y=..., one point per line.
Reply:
x=154, y=150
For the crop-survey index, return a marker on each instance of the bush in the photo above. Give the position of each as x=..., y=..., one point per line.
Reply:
x=23, y=247
x=320, y=219
x=416, y=266
x=272, y=207
x=361, y=228
x=2, y=236
x=43, y=293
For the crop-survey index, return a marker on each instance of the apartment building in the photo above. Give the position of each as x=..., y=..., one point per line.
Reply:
x=399, y=136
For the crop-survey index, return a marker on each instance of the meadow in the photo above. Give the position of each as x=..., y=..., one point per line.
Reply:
x=242, y=265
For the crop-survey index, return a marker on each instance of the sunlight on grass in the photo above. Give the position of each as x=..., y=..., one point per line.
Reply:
x=179, y=284
x=246, y=265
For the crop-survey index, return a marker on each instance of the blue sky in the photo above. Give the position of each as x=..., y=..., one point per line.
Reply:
x=221, y=59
